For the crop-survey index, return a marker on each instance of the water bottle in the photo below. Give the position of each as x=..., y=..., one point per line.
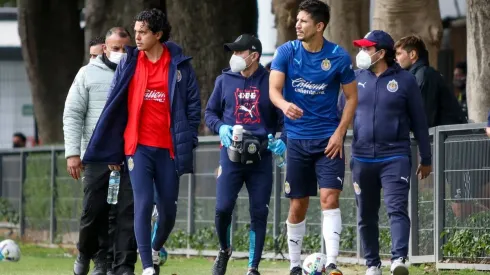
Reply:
x=280, y=160
x=114, y=180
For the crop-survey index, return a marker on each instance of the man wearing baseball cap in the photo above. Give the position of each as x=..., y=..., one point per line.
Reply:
x=241, y=97
x=390, y=105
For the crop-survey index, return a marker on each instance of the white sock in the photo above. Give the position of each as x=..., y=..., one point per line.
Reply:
x=331, y=229
x=296, y=232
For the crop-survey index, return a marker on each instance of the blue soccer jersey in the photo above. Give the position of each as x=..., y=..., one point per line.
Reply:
x=313, y=83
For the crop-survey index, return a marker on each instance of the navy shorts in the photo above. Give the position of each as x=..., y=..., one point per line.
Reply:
x=308, y=168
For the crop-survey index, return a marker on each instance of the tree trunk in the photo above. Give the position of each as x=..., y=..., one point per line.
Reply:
x=202, y=27
x=285, y=12
x=52, y=48
x=349, y=20
x=478, y=54
x=400, y=18
x=101, y=15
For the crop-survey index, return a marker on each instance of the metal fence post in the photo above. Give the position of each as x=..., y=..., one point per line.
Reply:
x=1, y=175
x=54, y=195
x=439, y=212
x=22, y=223
x=276, y=228
x=413, y=204
x=191, y=204
x=234, y=224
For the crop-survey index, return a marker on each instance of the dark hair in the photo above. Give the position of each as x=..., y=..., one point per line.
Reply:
x=96, y=41
x=389, y=55
x=318, y=10
x=121, y=31
x=157, y=21
x=21, y=136
x=462, y=66
x=412, y=43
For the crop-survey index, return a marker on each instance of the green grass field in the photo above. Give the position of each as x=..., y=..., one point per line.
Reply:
x=57, y=261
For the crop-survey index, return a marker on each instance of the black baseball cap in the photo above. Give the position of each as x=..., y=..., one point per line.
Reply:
x=376, y=38
x=245, y=42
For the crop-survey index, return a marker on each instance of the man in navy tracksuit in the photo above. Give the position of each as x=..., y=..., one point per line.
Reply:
x=241, y=97
x=390, y=105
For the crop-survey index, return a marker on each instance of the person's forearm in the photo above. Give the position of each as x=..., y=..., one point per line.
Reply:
x=347, y=114
x=276, y=98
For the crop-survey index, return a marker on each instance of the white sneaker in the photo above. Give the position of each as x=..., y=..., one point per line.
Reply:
x=398, y=267
x=373, y=270
x=155, y=256
x=149, y=271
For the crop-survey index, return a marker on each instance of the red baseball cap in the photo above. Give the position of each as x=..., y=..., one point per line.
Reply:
x=376, y=37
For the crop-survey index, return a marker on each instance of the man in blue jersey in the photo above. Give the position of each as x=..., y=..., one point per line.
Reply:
x=306, y=77
x=241, y=97
x=390, y=105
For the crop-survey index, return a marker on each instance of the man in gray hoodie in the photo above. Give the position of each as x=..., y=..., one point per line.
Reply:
x=84, y=103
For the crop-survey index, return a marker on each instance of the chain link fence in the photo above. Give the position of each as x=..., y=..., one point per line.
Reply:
x=450, y=210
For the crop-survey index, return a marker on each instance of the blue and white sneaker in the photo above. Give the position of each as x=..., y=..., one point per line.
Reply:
x=163, y=255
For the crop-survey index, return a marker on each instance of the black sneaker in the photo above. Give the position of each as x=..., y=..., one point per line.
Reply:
x=100, y=264
x=253, y=272
x=297, y=270
x=123, y=270
x=81, y=266
x=333, y=270
x=221, y=262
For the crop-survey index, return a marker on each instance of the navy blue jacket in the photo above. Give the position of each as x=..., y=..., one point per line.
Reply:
x=389, y=106
x=107, y=142
x=237, y=100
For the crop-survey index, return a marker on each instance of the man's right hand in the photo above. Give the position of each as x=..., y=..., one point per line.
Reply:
x=74, y=166
x=114, y=167
x=225, y=135
x=291, y=111
x=488, y=131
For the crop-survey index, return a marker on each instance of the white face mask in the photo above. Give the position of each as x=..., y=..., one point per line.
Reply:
x=363, y=60
x=115, y=57
x=238, y=63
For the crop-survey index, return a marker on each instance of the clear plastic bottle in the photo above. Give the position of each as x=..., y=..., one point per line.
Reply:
x=280, y=159
x=114, y=181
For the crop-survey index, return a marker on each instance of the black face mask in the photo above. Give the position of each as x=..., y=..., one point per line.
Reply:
x=459, y=83
x=16, y=145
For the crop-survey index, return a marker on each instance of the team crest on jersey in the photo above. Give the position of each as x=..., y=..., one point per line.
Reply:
x=179, y=76
x=287, y=188
x=357, y=189
x=326, y=64
x=392, y=86
x=247, y=106
x=130, y=164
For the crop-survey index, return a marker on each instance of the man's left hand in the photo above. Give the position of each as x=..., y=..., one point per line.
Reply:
x=423, y=171
x=335, y=144
x=488, y=131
